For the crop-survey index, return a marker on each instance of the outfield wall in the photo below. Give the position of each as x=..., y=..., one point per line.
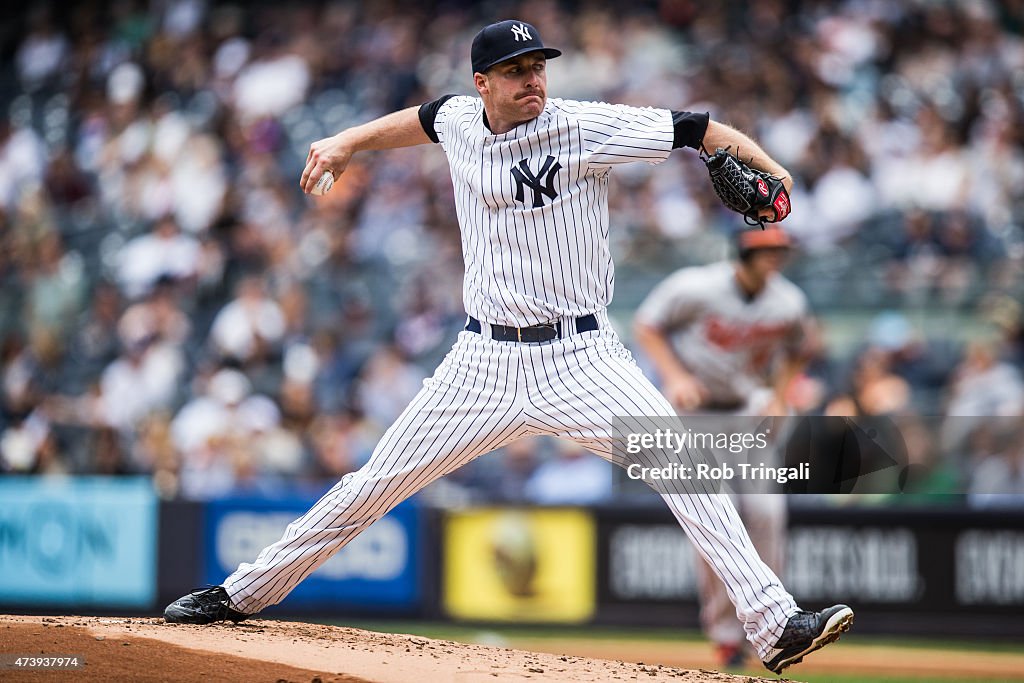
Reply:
x=109, y=546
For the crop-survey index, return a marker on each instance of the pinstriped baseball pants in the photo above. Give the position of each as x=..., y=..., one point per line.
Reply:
x=483, y=395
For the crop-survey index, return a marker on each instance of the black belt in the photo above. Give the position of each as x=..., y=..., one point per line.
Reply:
x=536, y=333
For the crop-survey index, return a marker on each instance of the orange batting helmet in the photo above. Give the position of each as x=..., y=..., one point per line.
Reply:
x=772, y=237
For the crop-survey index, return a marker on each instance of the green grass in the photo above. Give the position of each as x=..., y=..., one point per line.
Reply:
x=794, y=675
x=455, y=631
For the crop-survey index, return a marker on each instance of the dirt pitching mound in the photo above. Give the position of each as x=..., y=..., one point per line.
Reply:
x=145, y=649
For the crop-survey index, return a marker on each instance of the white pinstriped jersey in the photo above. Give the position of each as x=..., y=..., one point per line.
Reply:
x=533, y=203
x=725, y=338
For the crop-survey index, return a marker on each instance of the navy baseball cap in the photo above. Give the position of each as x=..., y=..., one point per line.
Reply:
x=506, y=39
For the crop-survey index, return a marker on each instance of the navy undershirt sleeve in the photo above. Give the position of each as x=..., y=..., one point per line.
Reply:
x=689, y=128
x=428, y=112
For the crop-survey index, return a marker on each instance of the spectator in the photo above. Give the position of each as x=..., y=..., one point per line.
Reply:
x=342, y=442
x=573, y=477
x=142, y=379
x=95, y=342
x=154, y=451
x=273, y=82
x=387, y=383
x=43, y=52
x=250, y=326
x=28, y=446
x=875, y=389
x=218, y=436
x=158, y=315
x=163, y=253
x=518, y=462
x=56, y=288
x=985, y=394
x=983, y=385
x=997, y=478
x=22, y=163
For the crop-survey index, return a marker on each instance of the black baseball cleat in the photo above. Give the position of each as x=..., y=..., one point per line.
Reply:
x=806, y=632
x=203, y=606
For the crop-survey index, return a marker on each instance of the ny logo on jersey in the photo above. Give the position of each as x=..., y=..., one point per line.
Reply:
x=524, y=178
x=521, y=32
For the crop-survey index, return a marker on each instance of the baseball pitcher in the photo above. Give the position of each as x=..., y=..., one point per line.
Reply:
x=537, y=355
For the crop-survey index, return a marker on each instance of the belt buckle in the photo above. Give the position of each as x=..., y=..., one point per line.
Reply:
x=519, y=333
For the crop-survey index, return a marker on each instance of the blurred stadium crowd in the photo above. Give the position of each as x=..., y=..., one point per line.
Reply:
x=170, y=303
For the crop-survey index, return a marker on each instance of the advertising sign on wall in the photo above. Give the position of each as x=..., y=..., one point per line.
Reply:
x=519, y=565
x=901, y=569
x=380, y=568
x=78, y=541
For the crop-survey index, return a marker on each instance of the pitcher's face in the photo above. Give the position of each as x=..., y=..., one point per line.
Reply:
x=514, y=91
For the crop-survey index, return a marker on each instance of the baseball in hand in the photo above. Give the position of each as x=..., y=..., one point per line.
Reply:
x=324, y=184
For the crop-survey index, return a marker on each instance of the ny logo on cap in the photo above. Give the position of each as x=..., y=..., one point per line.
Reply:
x=521, y=32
